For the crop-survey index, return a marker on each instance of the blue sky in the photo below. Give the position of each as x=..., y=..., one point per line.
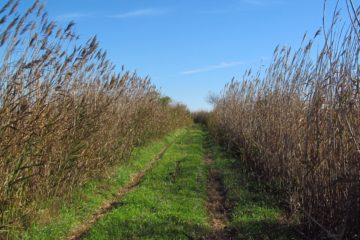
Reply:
x=191, y=48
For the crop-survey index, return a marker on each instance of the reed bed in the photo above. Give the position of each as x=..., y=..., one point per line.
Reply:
x=201, y=117
x=66, y=114
x=298, y=126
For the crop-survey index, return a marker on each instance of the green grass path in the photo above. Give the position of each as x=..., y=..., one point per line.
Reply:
x=57, y=217
x=170, y=201
x=254, y=212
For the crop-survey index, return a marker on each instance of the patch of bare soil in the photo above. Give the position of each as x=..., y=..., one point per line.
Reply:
x=216, y=205
x=81, y=231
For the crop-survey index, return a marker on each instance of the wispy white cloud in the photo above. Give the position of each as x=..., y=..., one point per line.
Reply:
x=254, y=2
x=72, y=16
x=136, y=13
x=212, y=67
x=216, y=11
x=139, y=13
x=264, y=58
x=262, y=2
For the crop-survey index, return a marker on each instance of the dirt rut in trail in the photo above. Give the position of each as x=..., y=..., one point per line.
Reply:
x=216, y=205
x=81, y=231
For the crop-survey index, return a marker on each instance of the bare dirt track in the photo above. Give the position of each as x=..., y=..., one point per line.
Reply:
x=216, y=205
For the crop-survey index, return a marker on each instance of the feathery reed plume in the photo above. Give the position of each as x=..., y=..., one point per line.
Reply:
x=298, y=125
x=65, y=114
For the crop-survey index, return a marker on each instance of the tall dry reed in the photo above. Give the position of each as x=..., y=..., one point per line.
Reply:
x=299, y=126
x=66, y=115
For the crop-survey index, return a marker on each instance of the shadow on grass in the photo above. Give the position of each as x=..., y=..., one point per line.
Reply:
x=170, y=202
x=173, y=228
x=253, y=206
x=166, y=228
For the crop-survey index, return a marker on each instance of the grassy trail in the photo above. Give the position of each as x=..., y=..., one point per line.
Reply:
x=250, y=210
x=170, y=201
x=83, y=229
x=190, y=190
x=57, y=218
x=194, y=192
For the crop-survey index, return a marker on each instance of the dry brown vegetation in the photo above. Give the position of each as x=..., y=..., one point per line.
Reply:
x=200, y=117
x=66, y=115
x=298, y=125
